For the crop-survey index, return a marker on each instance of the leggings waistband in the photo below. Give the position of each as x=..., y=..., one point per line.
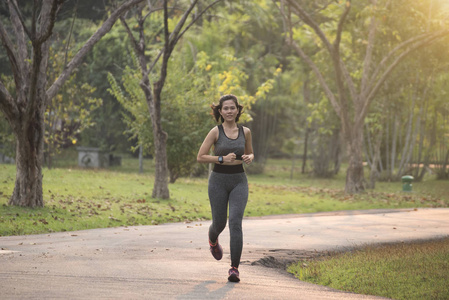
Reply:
x=229, y=169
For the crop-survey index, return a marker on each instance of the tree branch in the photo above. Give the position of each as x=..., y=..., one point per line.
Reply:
x=56, y=4
x=309, y=21
x=173, y=38
x=387, y=72
x=341, y=23
x=134, y=42
x=166, y=55
x=196, y=19
x=339, y=66
x=368, y=56
x=37, y=76
x=404, y=44
x=14, y=8
x=7, y=104
x=320, y=78
x=77, y=59
x=139, y=49
x=338, y=62
x=9, y=47
x=20, y=52
x=175, y=35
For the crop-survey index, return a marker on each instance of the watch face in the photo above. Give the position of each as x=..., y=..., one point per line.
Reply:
x=220, y=159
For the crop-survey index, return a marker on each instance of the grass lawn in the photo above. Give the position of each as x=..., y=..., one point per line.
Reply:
x=77, y=199
x=399, y=271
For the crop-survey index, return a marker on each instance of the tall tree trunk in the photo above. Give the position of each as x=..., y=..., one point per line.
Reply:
x=292, y=169
x=393, y=147
x=387, y=144
x=418, y=160
x=369, y=152
x=376, y=160
x=140, y=158
x=355, y=181
x=444, y=174
x=306, y=95
x=160, y=188
x=408, y=137
x=304, y=155
x=29, y=157
x=430, y=151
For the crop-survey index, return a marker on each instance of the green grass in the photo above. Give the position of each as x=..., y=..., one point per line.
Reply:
x=406, y=271
x=78, y=199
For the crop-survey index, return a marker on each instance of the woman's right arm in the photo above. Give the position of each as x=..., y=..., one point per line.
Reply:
x=203, y=153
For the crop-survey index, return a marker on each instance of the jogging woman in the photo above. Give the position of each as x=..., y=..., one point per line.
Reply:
x=227, y=183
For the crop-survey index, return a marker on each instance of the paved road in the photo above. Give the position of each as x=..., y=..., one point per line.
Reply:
x=172, y=261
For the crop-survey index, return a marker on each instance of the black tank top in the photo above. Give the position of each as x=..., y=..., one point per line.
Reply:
x=225, y=145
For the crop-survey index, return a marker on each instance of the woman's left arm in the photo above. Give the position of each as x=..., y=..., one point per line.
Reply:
x=248, y=157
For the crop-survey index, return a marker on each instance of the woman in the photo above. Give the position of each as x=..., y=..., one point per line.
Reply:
x=227, y=183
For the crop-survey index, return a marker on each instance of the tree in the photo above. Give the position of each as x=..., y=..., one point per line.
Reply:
x=27, y=49
x=351, y=92
x=153, y=89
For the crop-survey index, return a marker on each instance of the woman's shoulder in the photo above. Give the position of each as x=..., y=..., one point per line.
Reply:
x=246, y=129
x=214, y=132
x=215, y=129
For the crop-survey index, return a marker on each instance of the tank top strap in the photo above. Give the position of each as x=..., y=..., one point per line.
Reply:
x=241, y=129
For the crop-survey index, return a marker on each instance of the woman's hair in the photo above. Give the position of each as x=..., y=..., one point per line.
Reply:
x=216, y=108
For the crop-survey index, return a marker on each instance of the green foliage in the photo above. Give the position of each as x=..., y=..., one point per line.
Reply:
x=108, y=56
x=133, y=101
x=233, y=81
x=69, y=113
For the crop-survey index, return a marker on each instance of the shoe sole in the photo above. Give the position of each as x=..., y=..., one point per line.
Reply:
x=233, y=278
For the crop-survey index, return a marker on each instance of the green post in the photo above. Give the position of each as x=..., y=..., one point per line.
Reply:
x=407, y=183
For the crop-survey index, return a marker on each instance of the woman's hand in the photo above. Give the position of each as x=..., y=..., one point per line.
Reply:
x=248, y=158
x=230, y=158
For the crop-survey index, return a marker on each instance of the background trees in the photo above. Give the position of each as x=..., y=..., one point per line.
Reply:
x=351, y=87
x=26, y=41
x=350, y=82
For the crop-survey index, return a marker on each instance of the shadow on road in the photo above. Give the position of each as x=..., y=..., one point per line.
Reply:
x=202, y=291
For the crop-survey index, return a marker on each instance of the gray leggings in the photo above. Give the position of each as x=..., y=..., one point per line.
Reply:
x=232, y=189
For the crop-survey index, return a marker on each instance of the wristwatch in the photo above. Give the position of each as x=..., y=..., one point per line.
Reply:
x=220, y=159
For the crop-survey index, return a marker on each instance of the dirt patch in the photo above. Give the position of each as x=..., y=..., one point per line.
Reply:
x=282, y=258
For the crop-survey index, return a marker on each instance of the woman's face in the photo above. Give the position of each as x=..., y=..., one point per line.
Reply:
x=229, y=110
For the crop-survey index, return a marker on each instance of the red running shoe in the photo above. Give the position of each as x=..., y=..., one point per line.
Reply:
x=216, y=250
x=233, y=275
